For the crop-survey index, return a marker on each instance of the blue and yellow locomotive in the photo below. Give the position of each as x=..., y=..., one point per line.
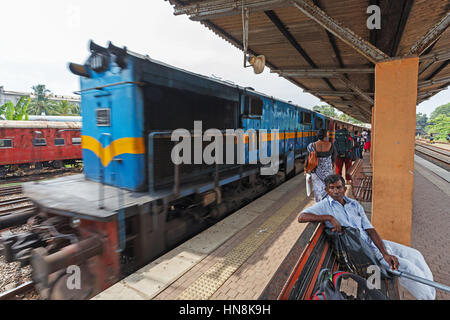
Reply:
x=133, y=202
x=131, y=104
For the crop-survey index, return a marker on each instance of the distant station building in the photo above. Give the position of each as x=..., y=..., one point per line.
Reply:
x=14, y=96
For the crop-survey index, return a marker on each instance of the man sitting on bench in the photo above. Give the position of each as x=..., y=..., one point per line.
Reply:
x=337, y=210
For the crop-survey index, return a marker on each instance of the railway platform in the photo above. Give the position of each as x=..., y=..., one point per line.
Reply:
x=250, y=254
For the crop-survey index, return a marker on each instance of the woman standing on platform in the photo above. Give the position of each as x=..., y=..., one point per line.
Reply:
x=367, y=144
x=326, y=154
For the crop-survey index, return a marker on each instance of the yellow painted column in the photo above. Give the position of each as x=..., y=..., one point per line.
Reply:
x=393, y=161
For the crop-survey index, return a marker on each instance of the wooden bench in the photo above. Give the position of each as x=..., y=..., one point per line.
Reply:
x=361, y=182
x=302, y=282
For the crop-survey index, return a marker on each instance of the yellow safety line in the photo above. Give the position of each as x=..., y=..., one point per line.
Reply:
x=208, y=283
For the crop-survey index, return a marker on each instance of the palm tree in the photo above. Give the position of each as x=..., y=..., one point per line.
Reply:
x=41, y=104
x=66, y=108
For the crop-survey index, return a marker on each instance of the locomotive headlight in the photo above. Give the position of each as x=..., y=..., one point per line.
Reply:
x=98, y=62
x=75, y=223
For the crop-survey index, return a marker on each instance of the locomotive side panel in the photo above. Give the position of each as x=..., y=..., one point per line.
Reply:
x=112, y=135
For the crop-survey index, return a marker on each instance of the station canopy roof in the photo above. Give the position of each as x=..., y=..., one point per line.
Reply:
x=326, y=47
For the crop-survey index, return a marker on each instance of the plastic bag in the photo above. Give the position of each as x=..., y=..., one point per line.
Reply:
x=308, y=184
x=413, y=263
x=352, y=252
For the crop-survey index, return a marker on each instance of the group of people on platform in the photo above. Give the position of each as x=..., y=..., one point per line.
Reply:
x=332, y=157
x=336, y=210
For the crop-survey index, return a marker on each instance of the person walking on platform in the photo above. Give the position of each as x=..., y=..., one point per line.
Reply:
x=367, y=144
x=326, y=154
x=364, y=135
x=343, y=144
x=357, y=144
x=337, y=211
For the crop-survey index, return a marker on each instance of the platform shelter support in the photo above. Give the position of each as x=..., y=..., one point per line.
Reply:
x=393, y=159
x=372, y=136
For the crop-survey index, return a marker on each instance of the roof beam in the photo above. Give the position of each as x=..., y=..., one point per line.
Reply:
x=220, y=8
x=394, y=16
x=373, y=37
x=356, y=89
x=368, y=50
x=431, y=36
x=337, y=93
x=319, y=73
x=282, y=28
x=427, y=92
x=436, y=56
x=429, y=59
x=239, y=45
x=356, y=106
x=439, y=69
x=407, y=5
x=332, y=41
x=429, y=83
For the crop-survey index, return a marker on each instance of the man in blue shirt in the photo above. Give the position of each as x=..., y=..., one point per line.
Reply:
x=337, y=210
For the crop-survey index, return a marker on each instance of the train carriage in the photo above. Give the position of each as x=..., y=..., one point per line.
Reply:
x=38, y=143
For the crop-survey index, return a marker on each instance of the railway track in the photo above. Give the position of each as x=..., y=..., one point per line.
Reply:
x=18, y=292
x=38, y=175
x=11, y=201
x=14, y=205
x=11, y=190
x=437, y=155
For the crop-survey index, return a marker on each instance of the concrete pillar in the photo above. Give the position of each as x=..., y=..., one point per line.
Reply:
x=393, y=160
x=372, y=136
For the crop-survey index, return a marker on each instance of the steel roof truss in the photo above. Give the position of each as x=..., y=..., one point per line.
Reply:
x=365, y=48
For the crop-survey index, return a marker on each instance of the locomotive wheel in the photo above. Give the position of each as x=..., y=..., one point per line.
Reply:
x=57, y=164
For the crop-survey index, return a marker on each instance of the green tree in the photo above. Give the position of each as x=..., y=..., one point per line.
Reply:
x=65, y=108
x=421, y=121
x=17, y=112
x=440, y=126
x=41, y=103
x=326, y=110
x=444, y=109
x=347, y=118
x=344, y=117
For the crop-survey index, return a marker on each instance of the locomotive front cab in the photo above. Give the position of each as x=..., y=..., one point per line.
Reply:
x=112, y=109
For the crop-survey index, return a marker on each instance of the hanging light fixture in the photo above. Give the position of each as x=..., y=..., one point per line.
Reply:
x=257, y=62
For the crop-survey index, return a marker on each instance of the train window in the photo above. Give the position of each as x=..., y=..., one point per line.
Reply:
x=76, y=141
x=59, y=142
x=5, y=143
x=256, y=108
x=319, y=123
x=103, y=116
x=306, y=118
x=253, y=106
x=39, y=142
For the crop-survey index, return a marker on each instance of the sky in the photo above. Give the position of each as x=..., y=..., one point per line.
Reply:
x=40, y=37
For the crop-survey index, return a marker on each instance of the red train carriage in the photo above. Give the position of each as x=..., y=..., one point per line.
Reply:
x=39, y=143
